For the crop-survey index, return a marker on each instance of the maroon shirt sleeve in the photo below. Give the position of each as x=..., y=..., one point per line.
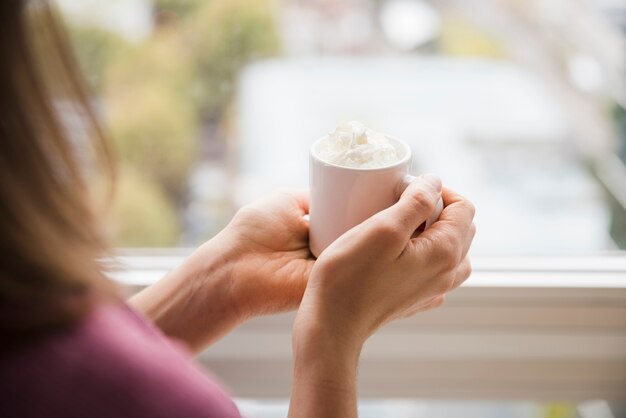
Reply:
x=112, y=365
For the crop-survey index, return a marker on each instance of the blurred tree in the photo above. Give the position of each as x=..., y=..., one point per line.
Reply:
x=559, y=410
x=226, y=35
x=162, y=59
x=143, y=215
x=181, y=8
x=461, y=37
x=156, y=92
x=155, y=131
x=150, y=115
x=95, y=49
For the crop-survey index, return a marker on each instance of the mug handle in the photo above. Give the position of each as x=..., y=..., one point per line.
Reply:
x=408, y=179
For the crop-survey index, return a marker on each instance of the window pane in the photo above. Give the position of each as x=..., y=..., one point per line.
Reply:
x=519, y=105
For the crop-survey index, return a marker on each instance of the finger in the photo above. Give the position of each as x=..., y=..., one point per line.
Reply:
x=457, y=209
x=447, y=239
x=462, y=273
x=456, y=216
x=468, y=239
x=432, y=303
x=436, y=302
x=416, y=204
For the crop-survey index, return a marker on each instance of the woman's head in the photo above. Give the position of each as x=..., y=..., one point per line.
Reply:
x=49, y=235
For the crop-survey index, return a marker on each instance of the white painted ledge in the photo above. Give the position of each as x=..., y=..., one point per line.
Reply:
x=535, y=328
x=142, y=267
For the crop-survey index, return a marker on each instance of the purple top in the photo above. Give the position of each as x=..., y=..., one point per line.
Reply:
x=112, y=365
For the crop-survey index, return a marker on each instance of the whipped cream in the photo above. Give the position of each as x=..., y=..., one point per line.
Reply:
x=354, y=145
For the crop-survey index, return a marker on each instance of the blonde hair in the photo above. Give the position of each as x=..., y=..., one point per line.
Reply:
x=50, y=239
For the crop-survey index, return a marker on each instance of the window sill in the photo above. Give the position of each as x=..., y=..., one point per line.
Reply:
x=540, y=328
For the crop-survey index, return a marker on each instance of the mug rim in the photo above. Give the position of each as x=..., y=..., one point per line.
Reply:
x=404, y=160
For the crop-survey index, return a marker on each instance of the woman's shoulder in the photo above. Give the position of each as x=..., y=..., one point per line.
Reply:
x=112, y=363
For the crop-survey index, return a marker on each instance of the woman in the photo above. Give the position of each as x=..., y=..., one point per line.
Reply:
x=72, y=348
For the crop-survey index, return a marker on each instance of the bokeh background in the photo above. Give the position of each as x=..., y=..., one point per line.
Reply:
x=518, y=104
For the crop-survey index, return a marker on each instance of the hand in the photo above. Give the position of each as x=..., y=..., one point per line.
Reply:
x=379, y=271
x=258, y=264
x=270, y=260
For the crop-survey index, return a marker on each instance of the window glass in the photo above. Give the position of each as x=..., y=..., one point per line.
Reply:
x=519, y=105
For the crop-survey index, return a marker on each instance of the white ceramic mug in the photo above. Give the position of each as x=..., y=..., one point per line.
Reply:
x=343, y=197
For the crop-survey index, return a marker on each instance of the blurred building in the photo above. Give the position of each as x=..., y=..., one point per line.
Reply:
x=487, y=127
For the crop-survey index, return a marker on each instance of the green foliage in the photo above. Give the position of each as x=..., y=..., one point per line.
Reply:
x=181, y=8
x=559, y=410
x=156, y=92
x=155, y=131
x=162, y=59
x=144, y=217
x=95, y=49
x=150, y=115
x=228, y=34
x=462, y=37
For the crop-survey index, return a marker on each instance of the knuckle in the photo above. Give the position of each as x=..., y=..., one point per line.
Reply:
x=463, y=273
x=450, y=253
x=444, y=284
x=421, y=200
x=466, y=272
x=439, y=301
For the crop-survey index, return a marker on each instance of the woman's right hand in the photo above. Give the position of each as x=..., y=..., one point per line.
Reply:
x=374, y=273
x=377, y=272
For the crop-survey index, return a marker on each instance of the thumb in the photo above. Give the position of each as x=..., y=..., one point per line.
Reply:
x=415, y=206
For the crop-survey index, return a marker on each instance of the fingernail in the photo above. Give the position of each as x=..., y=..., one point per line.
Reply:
x=432, y=179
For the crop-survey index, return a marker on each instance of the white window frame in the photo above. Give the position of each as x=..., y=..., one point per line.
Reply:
x=541, y=328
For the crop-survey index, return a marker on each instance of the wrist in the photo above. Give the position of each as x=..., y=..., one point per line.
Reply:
x=228, y=258
x=210, y=273
x=188, y=304
x=316, y=345
x=314, y=337
x=325, y=361
x=325, y=319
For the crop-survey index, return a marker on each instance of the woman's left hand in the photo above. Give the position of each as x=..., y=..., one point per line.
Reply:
x=267, y=246
x=259, y=264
